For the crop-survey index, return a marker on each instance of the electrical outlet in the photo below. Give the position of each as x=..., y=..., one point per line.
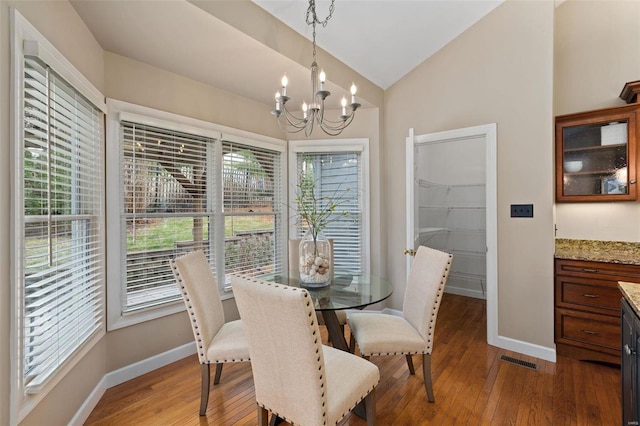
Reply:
x=521, y=210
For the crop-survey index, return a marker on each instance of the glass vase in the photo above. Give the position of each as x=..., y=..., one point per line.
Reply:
x=315, y=260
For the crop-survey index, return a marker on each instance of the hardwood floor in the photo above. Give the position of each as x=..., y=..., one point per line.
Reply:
x=471, y=385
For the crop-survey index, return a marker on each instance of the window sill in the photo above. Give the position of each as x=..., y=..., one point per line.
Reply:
x=133, y=318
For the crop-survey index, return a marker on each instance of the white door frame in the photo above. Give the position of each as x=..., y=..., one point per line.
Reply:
x=489, y=132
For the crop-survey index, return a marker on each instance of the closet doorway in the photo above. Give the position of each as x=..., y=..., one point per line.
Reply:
x=451, y=206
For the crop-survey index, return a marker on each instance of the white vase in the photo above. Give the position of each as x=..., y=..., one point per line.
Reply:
x=315, y=260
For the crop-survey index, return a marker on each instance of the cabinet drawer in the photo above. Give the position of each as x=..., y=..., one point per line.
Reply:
x=598, y=270
x=592, y=331
x=594, y=296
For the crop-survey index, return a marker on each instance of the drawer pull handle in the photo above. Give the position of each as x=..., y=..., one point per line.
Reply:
x=594, y=333
x=628, y=350
x=591, y=296
x=592, y=270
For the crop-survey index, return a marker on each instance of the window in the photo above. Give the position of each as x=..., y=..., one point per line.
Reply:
x=181, y=185
x=166, y=209
x=252, y=205
x=59, y=213
x=340, y=172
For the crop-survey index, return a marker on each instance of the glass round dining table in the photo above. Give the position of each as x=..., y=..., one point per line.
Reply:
x=346, y=291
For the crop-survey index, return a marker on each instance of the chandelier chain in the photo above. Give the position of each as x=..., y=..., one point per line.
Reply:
x=312, y=19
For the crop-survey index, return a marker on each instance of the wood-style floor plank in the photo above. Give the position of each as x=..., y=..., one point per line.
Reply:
x=471, y=385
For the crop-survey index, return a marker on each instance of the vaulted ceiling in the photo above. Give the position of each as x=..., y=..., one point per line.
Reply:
x=380, y=39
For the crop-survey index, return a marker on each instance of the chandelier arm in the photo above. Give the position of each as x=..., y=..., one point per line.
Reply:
x=292, y=119
x=289, y=128
x=332, y=132
x=338, y=123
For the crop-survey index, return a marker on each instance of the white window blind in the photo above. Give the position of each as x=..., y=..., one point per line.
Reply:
x=62, y=253
x=184, y=185
x=167, y=208
x=338, y=176
x=252, y=206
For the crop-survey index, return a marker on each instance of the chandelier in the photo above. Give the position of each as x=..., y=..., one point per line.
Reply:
x=312, y=114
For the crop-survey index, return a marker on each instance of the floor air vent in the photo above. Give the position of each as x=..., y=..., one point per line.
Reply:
x=526, y=364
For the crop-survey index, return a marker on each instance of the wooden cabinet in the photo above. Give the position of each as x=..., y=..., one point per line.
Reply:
x=630, y=364
x=587, y=308
x=596, y=155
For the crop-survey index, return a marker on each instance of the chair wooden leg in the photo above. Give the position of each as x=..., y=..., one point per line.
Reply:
x=370, y=407
x=352, y=343
x=410, y=364
x=426, y=372
x=263, y=416
x=216, y=378
x=204, y=390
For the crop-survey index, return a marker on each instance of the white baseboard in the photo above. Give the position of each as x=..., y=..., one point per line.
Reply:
x=462, y=291
x=129, y=372
x=525, y=348
x=529, y=349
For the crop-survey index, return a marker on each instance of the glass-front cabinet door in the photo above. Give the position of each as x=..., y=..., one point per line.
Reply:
x=596, y=155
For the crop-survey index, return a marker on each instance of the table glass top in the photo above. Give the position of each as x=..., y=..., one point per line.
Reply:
x=346, y=291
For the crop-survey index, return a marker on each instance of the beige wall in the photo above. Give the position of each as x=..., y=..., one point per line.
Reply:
x=498, y=71
x=128, y=80
x=501, y=70
x=597, y=50
x=138, y=83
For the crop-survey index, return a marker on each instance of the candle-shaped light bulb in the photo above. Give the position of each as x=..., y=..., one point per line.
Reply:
x=344, y=106
x=277, y=101
x=353, y=93
x=304, y=110
x=285, y=81
x=323, y=77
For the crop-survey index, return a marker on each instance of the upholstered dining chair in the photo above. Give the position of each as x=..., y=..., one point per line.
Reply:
x=217, y=341
x=294, y=267
x=412, y=333
x=296, y=377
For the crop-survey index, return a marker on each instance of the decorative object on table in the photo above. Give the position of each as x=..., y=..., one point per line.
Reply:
x=315, y=259
x=314, y=112
x=315, y=213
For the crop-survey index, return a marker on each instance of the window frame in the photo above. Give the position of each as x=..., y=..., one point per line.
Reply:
x=26, y=40
x=329, y=146
x=116, y=246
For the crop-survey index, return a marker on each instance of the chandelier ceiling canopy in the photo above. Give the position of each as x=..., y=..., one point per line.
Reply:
x=313, y=113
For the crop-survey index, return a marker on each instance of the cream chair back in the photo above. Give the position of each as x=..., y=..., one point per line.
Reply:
x=202, y=298
x=286, y=350
x=424, y=290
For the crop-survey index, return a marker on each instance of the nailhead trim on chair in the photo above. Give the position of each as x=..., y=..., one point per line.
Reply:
x=202, y=356
x=436, y=304
x=434, y=313
x=311, y=311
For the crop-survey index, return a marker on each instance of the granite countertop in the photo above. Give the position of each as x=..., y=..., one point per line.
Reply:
x=631, y=292
x=598, y=251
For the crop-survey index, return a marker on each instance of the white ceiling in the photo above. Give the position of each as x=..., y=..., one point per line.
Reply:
x=383, y=39
x=380, y=39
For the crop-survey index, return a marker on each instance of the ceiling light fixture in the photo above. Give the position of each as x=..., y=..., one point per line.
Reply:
x=313, y=113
